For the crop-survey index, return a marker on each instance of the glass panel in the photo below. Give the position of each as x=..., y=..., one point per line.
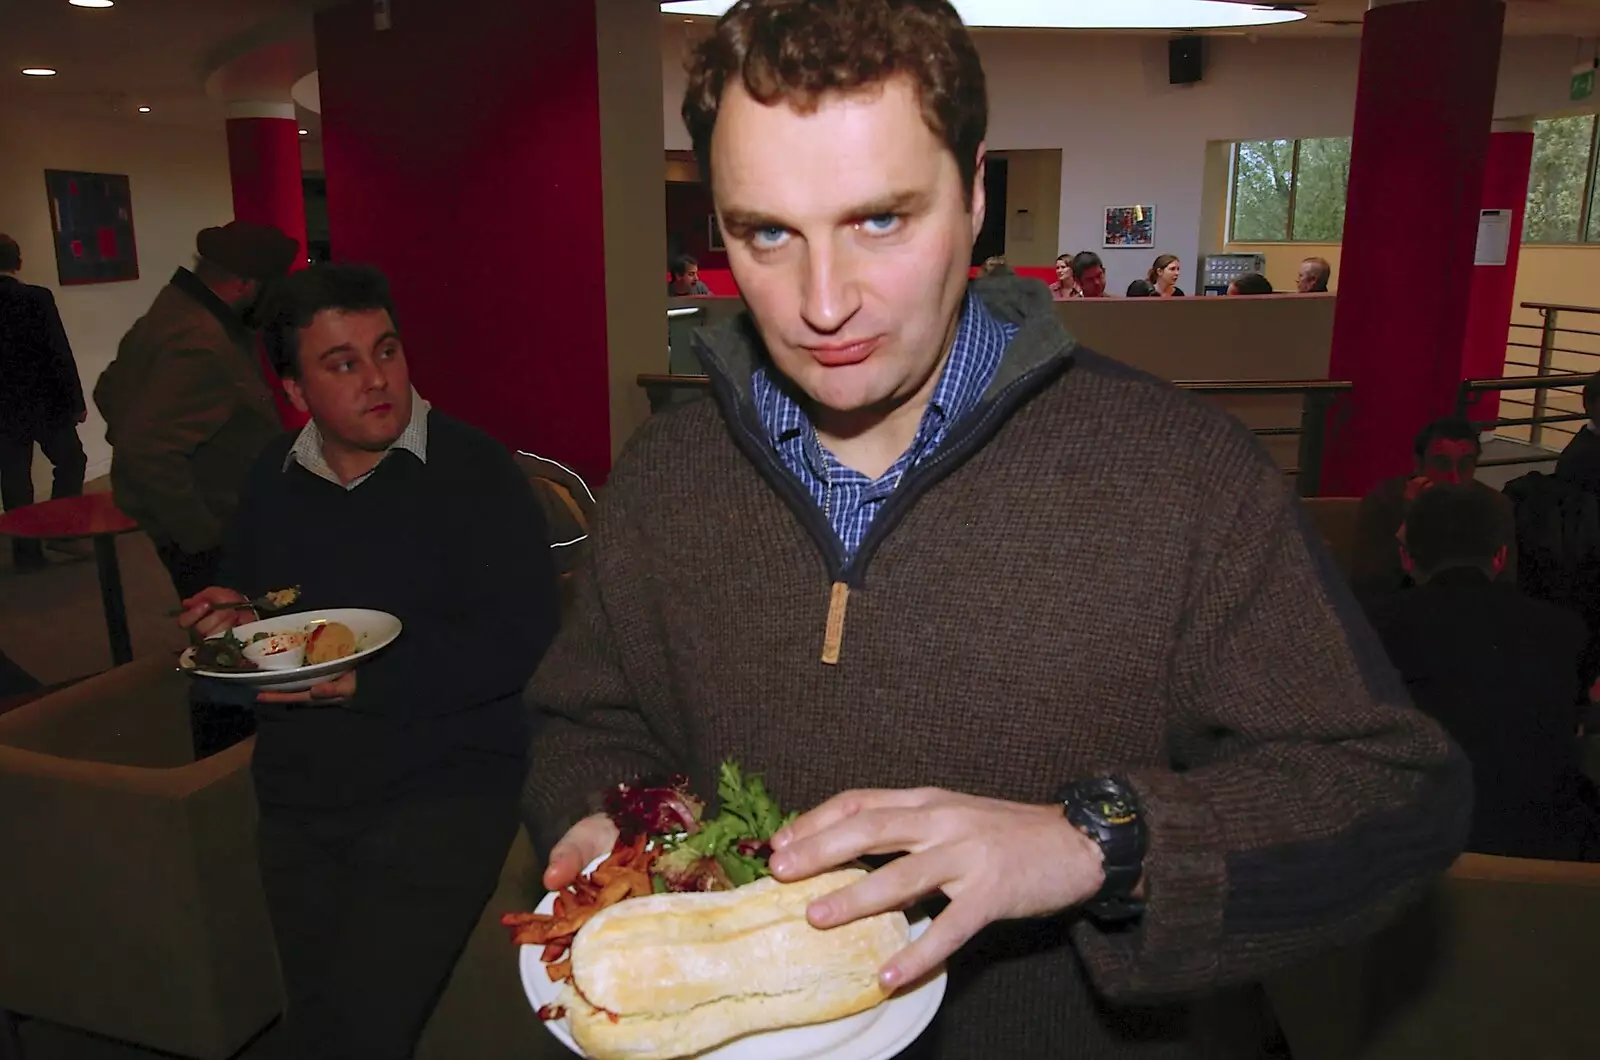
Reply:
x=1593, y=235
x=1556, y=179
x=1261, y=191
x=1319, y=189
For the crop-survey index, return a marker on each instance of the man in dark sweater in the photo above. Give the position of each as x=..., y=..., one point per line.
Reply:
x=388, y=797
x=921, y=565
x=1502, y=672
x=1579, y=462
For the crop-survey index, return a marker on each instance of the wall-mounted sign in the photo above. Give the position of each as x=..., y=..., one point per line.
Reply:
x=1494, y=237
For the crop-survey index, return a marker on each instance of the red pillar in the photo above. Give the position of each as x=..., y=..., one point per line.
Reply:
x=1424, y=106
x=1505, y=188
x=462, y=148
x=264, y=164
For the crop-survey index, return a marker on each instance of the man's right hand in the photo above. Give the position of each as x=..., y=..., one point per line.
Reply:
x=200, y=611
x=592, y=837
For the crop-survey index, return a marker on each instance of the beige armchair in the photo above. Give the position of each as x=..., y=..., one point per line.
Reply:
x=130, y=903
x=1497, y=962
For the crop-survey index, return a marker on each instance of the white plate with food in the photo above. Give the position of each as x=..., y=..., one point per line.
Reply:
x=851, y=952
x=291, y=653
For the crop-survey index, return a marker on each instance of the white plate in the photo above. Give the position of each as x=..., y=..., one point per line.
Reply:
x=374, y=630
x=877, y=1034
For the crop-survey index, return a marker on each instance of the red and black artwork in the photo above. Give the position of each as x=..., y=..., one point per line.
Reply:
x=91, y=215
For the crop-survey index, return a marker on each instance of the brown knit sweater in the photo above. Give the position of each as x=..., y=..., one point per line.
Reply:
x=1098, y=574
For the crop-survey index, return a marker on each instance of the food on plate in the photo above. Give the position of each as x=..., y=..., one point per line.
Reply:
x=730, y=850
x=329, y=641
x=224, y=654
x=681, y=940
x=278, y=599
x=671, y=975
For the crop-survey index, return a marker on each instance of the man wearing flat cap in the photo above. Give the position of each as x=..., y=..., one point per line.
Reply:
x=186, y=407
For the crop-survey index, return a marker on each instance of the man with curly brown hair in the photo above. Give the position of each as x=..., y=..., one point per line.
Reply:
x=1047, y=628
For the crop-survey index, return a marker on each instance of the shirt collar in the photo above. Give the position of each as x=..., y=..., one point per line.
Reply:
x=974, y=354
x=307, y=448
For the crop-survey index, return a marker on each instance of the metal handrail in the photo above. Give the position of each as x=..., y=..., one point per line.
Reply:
x=1558, y=307
x=1319, y=395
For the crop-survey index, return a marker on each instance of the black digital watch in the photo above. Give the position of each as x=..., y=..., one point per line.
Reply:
x=1107, y=811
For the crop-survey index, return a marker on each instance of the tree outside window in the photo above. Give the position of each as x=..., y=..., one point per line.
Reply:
x=1561, y=205
x=1289, y=190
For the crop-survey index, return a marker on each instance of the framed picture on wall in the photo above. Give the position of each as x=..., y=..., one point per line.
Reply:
x=91, y=218
x=1130, y=227
x=713, y=233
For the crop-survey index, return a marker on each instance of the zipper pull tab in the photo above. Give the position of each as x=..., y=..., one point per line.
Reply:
x=833, y=635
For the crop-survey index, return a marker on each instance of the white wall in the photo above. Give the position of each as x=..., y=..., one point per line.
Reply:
x=1128, y=136
x=179, y=180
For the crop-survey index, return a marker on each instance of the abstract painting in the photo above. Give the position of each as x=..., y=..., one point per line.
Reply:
x=91, y=216
x=1130, y=226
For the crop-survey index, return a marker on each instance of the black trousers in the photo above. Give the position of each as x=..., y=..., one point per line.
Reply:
x=61, y=447
x=371, y=909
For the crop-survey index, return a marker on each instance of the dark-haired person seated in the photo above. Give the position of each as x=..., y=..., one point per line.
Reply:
x=686, y=282
x=388, y=798
x=1500, y=671
x=1250, y=283
x=1579, y=462
x=1446, y=453
x=1090, y=273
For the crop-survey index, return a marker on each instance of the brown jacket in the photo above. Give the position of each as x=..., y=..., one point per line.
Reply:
x=1096, y=573
x=186, y=411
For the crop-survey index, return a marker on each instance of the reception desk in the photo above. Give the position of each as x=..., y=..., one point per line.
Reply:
x=1220, y=340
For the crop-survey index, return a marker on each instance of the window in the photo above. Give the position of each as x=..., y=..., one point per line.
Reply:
x=1289, y=190
x=1562, y=203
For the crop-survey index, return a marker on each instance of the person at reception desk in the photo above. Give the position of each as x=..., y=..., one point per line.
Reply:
x=1066, y=286
x=917, y=564
x=1090, y=273
x=1446, y=453
x=1164, y=275
x=685, y=282
x=1314, y=276
x=1250, y=283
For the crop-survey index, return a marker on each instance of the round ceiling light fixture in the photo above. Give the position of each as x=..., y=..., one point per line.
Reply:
x=92, y=3
x=144, y=110
x=38, y=71
x=1078, y=14
x=305, y=132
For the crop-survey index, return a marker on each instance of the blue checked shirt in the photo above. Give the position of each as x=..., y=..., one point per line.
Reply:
x=855, y=500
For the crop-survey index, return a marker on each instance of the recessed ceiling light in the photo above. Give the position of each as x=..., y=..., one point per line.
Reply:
x=1078, y=14
x=92, y=3
x=144, y=110
x=38, y=71
x=305, y=132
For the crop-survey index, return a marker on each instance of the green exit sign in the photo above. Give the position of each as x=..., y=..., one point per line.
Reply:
x=1583, y=84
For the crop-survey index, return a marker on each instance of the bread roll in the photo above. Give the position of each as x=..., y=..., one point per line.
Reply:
x=330, y=641
x=682, y=973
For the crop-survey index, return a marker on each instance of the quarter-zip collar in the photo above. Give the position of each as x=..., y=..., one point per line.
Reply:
x=1042, y=350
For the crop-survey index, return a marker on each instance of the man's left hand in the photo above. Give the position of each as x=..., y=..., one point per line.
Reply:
x=994, y=860
x=330, y=694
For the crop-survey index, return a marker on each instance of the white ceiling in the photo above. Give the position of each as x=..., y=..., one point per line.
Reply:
x=180, y=57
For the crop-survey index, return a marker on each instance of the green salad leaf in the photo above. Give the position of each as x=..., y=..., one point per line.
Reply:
x=747, y=817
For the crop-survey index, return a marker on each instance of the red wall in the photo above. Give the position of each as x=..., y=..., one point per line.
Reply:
x=462, y=150
x=1424, y=106
x=1505, y=187
x=688, y=211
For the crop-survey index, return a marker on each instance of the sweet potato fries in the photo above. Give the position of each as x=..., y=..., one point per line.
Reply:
x=624, y=874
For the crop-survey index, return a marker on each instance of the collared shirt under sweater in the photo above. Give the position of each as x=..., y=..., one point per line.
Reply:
x=849, y=498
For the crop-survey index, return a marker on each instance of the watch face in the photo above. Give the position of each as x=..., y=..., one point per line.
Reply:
x=1115, y=809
